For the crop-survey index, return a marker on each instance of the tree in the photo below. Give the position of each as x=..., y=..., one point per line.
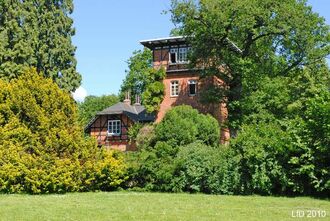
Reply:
x=42, y=147
x=138, y=76
x=154, y=91
x=272, y=57
x=253, y=39
x=37, y=33
x=92, y=105
x=143, y=80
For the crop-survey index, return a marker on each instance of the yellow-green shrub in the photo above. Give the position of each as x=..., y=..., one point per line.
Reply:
x=42, y=147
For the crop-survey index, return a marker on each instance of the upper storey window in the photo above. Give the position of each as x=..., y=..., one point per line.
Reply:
x=183, y=55
x=179, y=55
x=173, y=55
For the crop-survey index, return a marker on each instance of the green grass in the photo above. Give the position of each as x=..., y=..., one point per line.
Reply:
x=155, y=206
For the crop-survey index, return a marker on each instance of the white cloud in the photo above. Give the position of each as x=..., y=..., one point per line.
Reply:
x=79, y=94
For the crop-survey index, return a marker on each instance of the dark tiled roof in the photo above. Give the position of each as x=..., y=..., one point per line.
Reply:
x=135, y=112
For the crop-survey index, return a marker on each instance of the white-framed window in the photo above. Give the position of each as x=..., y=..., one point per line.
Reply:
x=174, y=88
x=179, y=55
x=183, y=55
x=114, y=127
x=173, y=55
x=192, y=87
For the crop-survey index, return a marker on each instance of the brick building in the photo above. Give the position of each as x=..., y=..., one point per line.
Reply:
x=183, y=85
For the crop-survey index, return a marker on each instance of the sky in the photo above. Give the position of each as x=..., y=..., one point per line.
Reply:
x=108, y=31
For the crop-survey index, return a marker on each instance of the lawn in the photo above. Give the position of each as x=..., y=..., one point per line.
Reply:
x=157, y=206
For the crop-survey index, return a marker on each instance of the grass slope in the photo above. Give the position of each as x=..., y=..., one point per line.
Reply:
x=155, y=206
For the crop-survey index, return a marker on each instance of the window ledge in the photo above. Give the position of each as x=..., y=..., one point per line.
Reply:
x=112, y=135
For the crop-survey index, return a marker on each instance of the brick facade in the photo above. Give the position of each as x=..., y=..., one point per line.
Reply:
x=180, y=72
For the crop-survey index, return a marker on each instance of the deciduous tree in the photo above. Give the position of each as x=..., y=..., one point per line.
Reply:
x=252, y=40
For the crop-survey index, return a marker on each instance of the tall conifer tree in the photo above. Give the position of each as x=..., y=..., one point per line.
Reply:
x=38, y=33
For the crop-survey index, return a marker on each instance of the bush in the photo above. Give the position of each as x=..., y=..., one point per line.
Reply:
x=151, y=169
x=153, y=166
x=263, y=150
x=183, y=125
x=193, y=166
x=145, y=138
x=200, y=168
x=42, y=147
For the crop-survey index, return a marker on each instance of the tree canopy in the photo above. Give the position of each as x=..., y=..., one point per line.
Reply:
x=143, y=80
x=37, y=33
x=272, y=57
x=138, y=74
x=92, y=105
x=275, y=38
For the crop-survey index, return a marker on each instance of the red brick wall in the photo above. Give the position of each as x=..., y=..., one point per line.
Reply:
x=219, y=111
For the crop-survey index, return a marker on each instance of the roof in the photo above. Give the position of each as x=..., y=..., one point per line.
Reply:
x=152, y=43
x=135, y=112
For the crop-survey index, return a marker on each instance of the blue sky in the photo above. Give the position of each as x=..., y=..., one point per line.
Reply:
x=107, y=32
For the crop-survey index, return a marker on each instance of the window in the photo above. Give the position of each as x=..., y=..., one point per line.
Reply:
x=173, y=55
x=114, y=127
x=183, y=55
x=174, y=90
x=192, y=87
x=179, y=55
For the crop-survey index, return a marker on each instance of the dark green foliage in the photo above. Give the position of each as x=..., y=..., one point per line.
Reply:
x=93, y=104
x=183, y=125
x=193, y=166
x=146, y=137
x=200, y=168
x=133, y=131
x=154, y=91
x=264, y=150
x=143, y=80
x=278, y=88
x=37, y=33
x=42, y=148
x=138, y=76
x=153, y=167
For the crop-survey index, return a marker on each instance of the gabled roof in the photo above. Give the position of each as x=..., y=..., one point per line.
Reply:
x=135, y=112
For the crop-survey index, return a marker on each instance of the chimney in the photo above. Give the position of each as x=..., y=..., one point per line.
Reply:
x=137, y=100
x=127, y=98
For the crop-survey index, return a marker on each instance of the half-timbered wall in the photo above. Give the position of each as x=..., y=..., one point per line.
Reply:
x=99, y=130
